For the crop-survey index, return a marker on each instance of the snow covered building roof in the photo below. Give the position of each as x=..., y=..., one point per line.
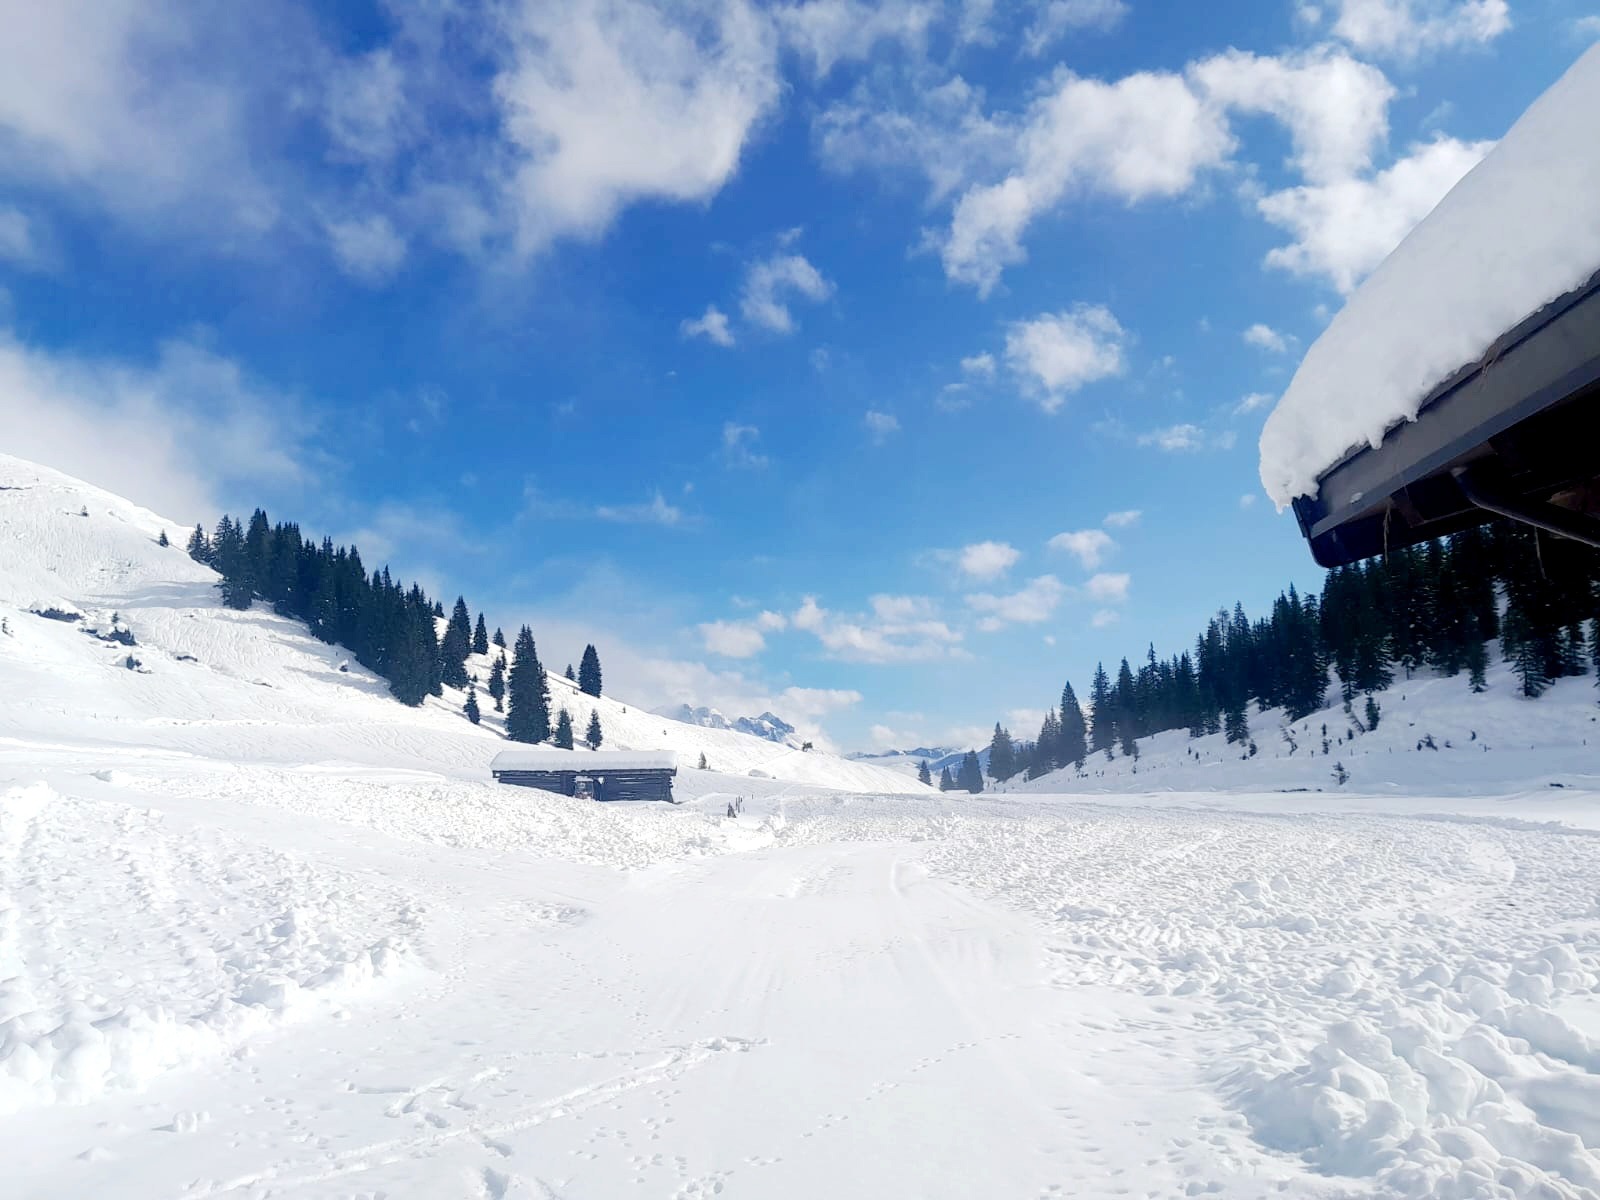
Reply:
x=586, y=761
x=1487, y=309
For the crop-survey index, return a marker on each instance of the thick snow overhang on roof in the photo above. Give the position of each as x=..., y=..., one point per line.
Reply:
x=1508, y=259
x=595, y=762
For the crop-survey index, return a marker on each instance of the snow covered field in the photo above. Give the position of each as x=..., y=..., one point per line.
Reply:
x=266, y=933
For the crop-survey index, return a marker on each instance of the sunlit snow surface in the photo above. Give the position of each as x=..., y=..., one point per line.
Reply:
x=1522, y=229
x=269, y=935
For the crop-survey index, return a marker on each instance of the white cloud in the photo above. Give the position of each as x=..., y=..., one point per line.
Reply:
x=881, y=425
x=772, y=622
x=1586, y=28
x=1090, y=545
x=183, y=435
x=606, y=102
x=18, y=245
x=1254, y=402
x=987, y=560
x=1264, y=337
x=833, y=31
x=1248, y=500
x=367, y=248
x=1145, y=135
x=940, y=132
x=1123, y=519
x=1057, y=18
x=1057, y=353
x=1105, y=618
x=1334, y=107
x=1175, y=438
x=711, y=325
x=1342, y=230
x=1108, y=587
x=738, y=447
x=769, y=281
x=655, y=511
x=817, y=702
x=1406, y=28
x=900, y=629
x=134, y=103
x=365, y=107
x=733, y=639
x=1034, y=603
x=979, y=365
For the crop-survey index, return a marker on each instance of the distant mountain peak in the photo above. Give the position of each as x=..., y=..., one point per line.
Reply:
x=768, y=726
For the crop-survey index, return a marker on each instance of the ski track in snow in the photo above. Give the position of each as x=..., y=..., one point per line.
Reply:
x=266, y=934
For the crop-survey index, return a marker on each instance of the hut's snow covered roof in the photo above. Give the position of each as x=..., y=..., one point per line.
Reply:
x=1519, y=231
x=589, y=761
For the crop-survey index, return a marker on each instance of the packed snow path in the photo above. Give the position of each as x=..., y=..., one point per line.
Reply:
x=856, y=998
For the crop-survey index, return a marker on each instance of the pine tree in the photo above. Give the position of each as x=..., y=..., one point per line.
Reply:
x=1477, y=664
x=1235, y=725
x=228, y=557
x=199, y=548
x=527, y=693
x=970, y=777
x=1002, y=755
x=594, y=736
x=1102, y=712
x=497, y=682
x=1373, y=714
x=703, y=766
x=924, y=776
x=162, y=540
x=471, y=708
x=571, y=678
x=564, y=730
x=589, y=672
x=1073, y=746
x=480, y=637
x=1130, y=746
x=947, y=782
x=499, y=638
x=455, y=646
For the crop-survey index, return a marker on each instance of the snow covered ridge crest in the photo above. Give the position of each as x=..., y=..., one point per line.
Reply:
x=1519, y=231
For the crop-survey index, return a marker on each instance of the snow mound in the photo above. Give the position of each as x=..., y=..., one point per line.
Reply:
x=1520, y=230
x=128, y=950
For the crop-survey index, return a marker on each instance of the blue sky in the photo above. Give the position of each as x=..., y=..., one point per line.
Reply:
x=885, y=365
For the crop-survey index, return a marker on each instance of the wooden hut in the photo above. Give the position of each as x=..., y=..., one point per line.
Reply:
x=592, y=774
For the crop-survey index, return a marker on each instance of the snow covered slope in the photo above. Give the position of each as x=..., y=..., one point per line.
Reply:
x=266, y=933
x=251, y=685
x=1521, y=229
x=1434, y=738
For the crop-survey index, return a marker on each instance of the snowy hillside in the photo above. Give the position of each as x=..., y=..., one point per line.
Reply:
x=1434, y=737
x=215, y=682
x=907, y=762
x=265, y=932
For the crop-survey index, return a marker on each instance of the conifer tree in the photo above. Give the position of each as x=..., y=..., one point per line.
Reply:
x=1477, y=664
x=1373, y=714
x=1130, y=746
x=1002, y=755
x=455, y=646
x=589, y=672
x=924, y=776
x=162, y=540
x=499, y=638
x=228, y=557
x=497, y=682
x=564, y=730
x=471, y=707
x=971, y=777
x=480, y=637
x=702, y=765
x=947, y=782
x=571, y=678
x=199, y=547
x=595, y=736
x=1074, y=747
x=527, y=693
x=1102, y=712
